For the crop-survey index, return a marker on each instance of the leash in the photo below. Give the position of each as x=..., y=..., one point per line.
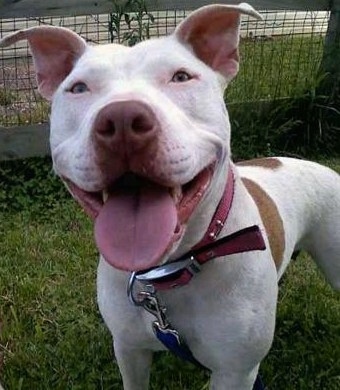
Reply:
x=180, y=271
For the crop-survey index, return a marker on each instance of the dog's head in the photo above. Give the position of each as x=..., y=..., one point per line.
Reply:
x=140, y=134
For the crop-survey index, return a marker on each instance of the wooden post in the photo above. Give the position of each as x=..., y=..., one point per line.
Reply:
x=330, y=64
x=37, y=8
x=23, y=142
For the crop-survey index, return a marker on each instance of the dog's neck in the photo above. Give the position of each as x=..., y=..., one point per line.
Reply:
x=221, y=213
x=179, y=272
x=200, y=220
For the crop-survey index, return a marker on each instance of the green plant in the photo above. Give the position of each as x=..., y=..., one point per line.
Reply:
x=307, y=125
x=7, y=97
x=315, y=129
x=292, y=115
x=137, y=19
x=30, y=185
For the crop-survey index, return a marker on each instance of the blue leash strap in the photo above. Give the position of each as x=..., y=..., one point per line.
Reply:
x=258, y=385
x=171, y=339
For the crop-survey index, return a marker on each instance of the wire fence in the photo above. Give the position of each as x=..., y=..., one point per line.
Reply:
x=280, y=56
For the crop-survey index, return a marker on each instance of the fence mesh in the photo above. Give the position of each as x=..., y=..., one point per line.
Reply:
x=280, y=56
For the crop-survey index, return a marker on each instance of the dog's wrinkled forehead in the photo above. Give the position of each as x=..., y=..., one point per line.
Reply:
x=154, y=58
x=147, y=68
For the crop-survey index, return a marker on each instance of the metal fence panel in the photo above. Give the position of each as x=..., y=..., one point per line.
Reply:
x=280, y=57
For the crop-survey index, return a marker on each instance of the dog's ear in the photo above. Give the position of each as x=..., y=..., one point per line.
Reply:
x=213, y=34
x=55, y=51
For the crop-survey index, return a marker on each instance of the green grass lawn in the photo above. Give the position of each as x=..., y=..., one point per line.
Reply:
x=52, y=336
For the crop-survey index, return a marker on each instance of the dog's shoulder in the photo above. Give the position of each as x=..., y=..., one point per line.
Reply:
x=266, y=205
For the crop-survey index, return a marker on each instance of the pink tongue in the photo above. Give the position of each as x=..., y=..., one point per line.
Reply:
x=135, y=227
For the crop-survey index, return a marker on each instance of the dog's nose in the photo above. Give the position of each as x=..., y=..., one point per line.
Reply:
x=129, y=122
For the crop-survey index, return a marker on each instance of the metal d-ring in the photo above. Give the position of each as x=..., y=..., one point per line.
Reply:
x=130, y=292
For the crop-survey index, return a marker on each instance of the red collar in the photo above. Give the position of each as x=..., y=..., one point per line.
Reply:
x=221, y=213
x=179, y=272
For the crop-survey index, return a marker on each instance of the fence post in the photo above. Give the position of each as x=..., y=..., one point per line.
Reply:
x=330, y=64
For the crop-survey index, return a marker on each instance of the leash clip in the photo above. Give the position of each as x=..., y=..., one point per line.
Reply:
x=162, y=328
x=152, y=305
x=149, y=301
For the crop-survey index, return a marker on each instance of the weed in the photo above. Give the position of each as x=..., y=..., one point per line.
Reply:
x=6, y=97
x=30, y=185
x=138, y=22
x=305, y=126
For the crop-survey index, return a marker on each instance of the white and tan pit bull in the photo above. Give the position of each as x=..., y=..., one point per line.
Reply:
x=141, y=137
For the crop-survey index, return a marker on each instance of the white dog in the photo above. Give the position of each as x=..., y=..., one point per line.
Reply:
x=141, y=138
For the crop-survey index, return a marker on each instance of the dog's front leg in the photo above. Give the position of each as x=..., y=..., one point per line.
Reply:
x=132, y=333
x=134, y=365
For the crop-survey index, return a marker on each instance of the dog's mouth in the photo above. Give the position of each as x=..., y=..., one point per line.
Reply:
x=138, y=220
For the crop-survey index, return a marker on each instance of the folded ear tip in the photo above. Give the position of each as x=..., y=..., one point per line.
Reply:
x=11, y=38
x=257, y=16
x=250, y=10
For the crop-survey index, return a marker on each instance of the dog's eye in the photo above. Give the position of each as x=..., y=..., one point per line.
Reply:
x=181, y=77
x=78, y=88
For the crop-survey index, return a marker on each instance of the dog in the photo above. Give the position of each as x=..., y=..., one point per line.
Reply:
x=141, y=137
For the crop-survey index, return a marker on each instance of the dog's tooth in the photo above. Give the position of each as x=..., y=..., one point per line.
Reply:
x=105, y=196
x=176, y=193
x=179, y=193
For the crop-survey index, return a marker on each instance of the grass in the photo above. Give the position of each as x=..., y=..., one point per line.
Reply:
x=52, y=336
x=18, y=108
x=6, y=97
x=284, y=66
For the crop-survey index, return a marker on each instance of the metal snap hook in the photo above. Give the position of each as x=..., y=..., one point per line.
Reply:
x=148, y=300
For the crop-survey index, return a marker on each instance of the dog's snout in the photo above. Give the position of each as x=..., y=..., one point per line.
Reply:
x=130, y=122
x=124, y=135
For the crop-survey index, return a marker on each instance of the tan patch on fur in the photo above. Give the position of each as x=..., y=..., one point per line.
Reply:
x=269, y=162
x=271, y=219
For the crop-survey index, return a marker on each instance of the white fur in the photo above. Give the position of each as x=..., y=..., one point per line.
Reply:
x=227, y=312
